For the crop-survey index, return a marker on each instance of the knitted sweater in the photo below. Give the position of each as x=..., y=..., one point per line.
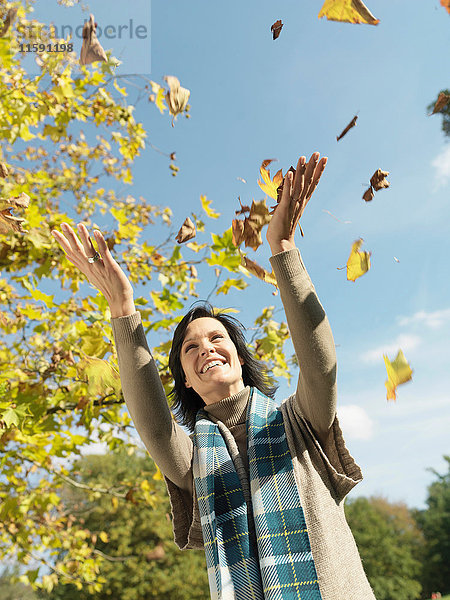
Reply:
x=324, y=469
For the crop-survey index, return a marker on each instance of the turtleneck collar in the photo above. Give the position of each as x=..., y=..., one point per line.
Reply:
x=232, y=410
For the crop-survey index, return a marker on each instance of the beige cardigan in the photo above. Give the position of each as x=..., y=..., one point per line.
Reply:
x=325, y=471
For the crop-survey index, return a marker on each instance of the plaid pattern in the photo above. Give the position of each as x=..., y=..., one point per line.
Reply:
x=280, y=565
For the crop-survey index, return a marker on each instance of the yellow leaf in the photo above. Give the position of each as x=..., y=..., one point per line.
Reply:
x=269, y=186
x=114, y=502
x=100, y=374
x=349, y=11
x=104, y=536
x=206, y=204
x=358, y=262
x=38, y=295
x=398, y=372
x=195, y=247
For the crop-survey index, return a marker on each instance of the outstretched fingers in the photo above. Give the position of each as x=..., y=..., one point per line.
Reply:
x=317, y=175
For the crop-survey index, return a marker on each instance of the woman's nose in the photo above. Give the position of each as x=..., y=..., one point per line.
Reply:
x=206, y=348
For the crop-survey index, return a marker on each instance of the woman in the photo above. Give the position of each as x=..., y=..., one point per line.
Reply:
x=260, y=487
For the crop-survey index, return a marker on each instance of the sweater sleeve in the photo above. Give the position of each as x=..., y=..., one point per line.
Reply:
x=313, y=342
x=167, y=443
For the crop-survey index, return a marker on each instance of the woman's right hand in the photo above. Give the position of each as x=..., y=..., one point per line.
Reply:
x=105, y=274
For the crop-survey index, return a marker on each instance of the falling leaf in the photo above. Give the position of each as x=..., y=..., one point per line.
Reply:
x=347, y=129
x=7, y=221
x=349, y=11
x=91, y=49
x=260, y=272
x=237, y=227
x=193, y=272
x=10, y=16
x=378, y=182
x=244, y=208
x=398, y=372
x=177, y=97
x=249, y=230
x=3, y=170
x=358, y=262
x=269, y=186
x=206, y=204
x=368, y=194
x=240, y=179
x=396, y=259
x=276, y=28
x=443, y=98
x=187, y=231
x=446, y=5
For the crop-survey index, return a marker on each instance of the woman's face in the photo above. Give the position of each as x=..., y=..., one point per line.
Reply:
x=210, y=360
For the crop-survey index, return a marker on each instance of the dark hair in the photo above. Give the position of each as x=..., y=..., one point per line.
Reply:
x=185, y=401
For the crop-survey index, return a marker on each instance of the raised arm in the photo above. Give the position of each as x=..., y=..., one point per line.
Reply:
x=308, y=324
x=169, y=446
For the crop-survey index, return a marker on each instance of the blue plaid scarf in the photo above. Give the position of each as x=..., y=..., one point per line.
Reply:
x=278, y=564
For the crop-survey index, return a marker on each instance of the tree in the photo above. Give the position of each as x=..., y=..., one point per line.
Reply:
x=390, y=546
x=13, y=591
x=67, y=137
x=435, y=524
x=135, y=538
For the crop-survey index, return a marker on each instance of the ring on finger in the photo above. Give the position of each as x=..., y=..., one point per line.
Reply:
x=92, y=259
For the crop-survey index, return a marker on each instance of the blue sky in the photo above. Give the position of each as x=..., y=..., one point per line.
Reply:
x=254, y=98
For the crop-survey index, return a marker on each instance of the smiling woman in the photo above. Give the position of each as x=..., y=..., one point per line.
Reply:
x=260, y=487
x=202, y=337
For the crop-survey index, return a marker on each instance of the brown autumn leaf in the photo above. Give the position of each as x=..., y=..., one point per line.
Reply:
x=3, y=170
x=446, y=5
x=347, y=129
x=249, y=230
x=7, y=221
x=244, y=208
x=443, y=98
x=260, y=272
x=237, y=227
x=187, y=231
x=177, y=97
x=91, y=49
x=368, y=194
x=276, y=28
x=378, y=182
x=10, y=16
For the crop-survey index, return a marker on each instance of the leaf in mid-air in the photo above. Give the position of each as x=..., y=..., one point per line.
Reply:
x=187, y=231
x=260, y=272
x=358, y=262
x=7, y=221
x=269, y=186
x=347, y=129
x=249, y=230
x=91, y=49
x=446, y=5
x=398, y=372
x=3, y=171
x=443, y=98
x=276, y=28
x=349, y=11
x=177, y=97
x=378, y=182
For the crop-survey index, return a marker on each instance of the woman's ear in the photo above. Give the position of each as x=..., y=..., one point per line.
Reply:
x=187, y=384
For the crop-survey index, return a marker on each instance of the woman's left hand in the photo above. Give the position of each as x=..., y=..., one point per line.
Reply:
x=295, y=197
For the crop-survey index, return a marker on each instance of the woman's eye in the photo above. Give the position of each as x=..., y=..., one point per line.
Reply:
x=218, y=335
x=188, y=348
